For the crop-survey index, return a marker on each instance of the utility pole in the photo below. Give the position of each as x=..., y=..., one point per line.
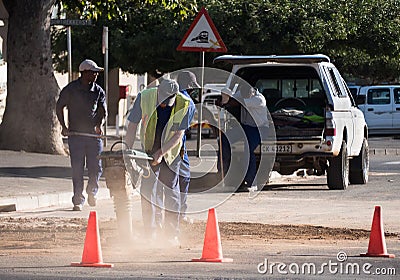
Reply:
x=105, y=52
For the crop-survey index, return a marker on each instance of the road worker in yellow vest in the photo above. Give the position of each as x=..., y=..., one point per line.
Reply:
x=165, y=114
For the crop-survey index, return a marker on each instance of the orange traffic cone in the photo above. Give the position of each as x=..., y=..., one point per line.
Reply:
x=377, y=243
x=92, y=255
x=212, y=249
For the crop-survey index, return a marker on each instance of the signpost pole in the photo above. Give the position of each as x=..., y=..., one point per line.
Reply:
x=202, y=36
x=69, y=48
x=105, y=52
x=200, y=113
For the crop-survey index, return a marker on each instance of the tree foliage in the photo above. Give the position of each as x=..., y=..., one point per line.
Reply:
x=361, y=36
x=142, y=33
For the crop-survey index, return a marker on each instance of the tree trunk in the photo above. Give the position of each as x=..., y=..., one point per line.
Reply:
x=29, y=121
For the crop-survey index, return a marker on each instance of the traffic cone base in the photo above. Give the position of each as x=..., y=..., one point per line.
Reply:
x=212, y=249
x=92, y=264
x=377, y=243
x=92, y=255
x=378, y=255
x=223, y=260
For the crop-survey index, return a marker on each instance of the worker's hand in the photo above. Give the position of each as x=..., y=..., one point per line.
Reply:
x=157, y=158
x=64, y=131
x=98, y=130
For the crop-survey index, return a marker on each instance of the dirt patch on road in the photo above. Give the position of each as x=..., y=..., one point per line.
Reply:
x=52, y=233
x=291, y=231
x=239, y=231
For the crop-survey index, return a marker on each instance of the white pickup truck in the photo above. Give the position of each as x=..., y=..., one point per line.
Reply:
x=317, y=124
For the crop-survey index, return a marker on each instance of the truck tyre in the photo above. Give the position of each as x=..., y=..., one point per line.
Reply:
x=359, y=166
x=338, y=170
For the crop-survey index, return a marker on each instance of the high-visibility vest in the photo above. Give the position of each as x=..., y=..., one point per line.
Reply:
x=148, y=104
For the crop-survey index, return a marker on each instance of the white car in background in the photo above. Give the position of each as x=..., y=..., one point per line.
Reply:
x=381, y=107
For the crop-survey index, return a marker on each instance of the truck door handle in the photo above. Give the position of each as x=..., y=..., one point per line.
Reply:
x=370, y=109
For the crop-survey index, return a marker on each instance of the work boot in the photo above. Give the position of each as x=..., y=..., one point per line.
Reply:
x=77, y=207
x=92, y=200
x=244, y=187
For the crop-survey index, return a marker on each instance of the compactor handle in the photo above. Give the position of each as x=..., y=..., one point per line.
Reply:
x=118, y=142
x=131, y=153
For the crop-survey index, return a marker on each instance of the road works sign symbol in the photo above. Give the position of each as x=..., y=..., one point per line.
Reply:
x=202, y=36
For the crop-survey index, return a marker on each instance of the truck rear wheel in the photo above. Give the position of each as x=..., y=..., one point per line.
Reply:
x=338, y=170
x=359, y=166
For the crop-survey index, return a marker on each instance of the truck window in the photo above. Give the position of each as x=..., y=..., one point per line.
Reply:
x=335, y=82
x=332, y=80
x=278, y=82
x=288, y=87
x=378, y=96
x=397, y=95
x=315, y=88
x=267, y=84
x=295, y=88
x=302, y=88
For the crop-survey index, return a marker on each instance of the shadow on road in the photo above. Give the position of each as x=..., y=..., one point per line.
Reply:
x=36, y=172
x=295, y=187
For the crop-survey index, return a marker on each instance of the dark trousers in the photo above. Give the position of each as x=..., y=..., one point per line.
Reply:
x=253, y=139
x=184, y=182
x=162, y=183
x=252, y=135
x=84, y=150
x=225, y=152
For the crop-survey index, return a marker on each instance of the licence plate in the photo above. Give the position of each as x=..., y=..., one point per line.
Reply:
x=279, y=149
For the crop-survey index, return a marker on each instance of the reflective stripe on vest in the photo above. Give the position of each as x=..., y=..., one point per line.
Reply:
x=149, y=121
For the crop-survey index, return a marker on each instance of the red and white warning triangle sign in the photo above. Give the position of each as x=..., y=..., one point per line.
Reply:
x=202, y=36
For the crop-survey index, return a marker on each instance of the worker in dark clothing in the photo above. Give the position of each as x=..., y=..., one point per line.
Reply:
x=86, y=104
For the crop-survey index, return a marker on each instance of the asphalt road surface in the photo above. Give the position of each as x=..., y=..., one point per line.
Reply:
x=295, y=221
